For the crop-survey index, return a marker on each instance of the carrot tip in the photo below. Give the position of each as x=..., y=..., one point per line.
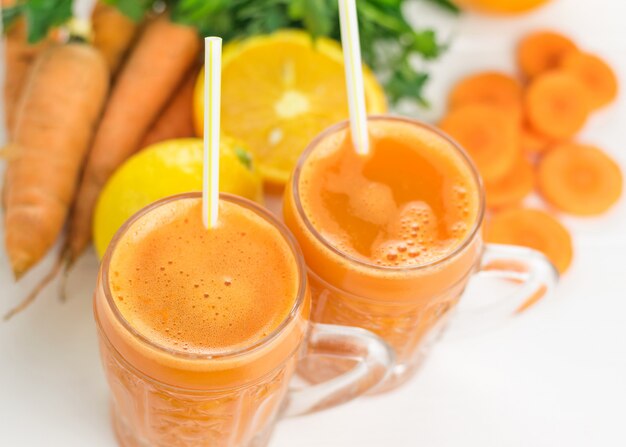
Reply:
x=19, y=269
x=21, y=262
x=63, y=283
x=67, y=260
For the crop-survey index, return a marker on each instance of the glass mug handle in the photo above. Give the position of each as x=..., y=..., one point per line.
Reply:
x=534, y=274
x=373, y=356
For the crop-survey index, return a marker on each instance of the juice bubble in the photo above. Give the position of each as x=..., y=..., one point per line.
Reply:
x=373, y=203
x=414, y=252
x=387, y=252
x=460, y=191
x=413, y=221
x=458, y=229
x=413, y=237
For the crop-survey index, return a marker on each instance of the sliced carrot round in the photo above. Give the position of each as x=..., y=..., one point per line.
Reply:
x=534, y=229
x=490, y=87
x=596, y=74
x=512, y=188
x=489, y=136
x=532, y=142
x=579, y=179
x=557, y=104
x=542, y=51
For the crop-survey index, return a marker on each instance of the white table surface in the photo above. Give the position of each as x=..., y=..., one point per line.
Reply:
x=555, y=377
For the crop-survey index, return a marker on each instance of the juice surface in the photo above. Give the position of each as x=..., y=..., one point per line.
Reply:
x=201, y=291
x=411, y=201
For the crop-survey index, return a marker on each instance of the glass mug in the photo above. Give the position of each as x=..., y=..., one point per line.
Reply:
x=168, y=398
x=407, y=306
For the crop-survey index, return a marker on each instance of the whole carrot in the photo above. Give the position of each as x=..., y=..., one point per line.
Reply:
x=176, y=119
x=54, y=126
x=113, y=34
x=164, y=53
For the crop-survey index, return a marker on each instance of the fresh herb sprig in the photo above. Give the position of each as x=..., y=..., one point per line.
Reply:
x=41, y=16
x=447, y=5
x=389, y=43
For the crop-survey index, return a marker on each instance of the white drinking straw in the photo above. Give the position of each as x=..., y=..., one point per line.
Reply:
x=354, y=75
x=212, y=100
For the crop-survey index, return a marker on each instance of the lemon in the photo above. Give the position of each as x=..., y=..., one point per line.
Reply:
x=167, y=168
x=279, y=91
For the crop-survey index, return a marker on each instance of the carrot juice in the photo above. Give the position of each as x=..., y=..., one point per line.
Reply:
x=199, y=329
x=390, y=238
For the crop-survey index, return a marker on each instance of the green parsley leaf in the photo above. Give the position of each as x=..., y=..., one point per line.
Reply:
x=134, y=9
x=447, y=5
x=43, y=15
x=318, y=16
x=407, y=83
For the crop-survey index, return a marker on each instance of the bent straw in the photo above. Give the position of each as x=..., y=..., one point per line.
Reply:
x=212, y=100
x=354, y=75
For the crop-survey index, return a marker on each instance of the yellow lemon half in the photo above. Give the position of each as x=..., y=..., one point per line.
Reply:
x=279, y=91
x=164, y=169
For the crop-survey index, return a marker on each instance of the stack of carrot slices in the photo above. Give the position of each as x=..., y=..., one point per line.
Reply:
x=521, y=136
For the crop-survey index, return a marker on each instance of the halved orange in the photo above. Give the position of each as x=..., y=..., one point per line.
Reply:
x=279, y=91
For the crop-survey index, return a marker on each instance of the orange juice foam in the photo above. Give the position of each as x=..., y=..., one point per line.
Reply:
x=203, y=291
x=409, y=202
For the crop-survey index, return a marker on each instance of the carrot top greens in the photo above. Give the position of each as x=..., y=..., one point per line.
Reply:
x=41, y=16
x=389, y=41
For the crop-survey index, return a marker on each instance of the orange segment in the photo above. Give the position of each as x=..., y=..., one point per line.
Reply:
x=557, y=104
x=579, y=179
x=596, y=74
x=542, y=51
x=490, y=87
x=279, y=92
x=513, y=187
x=534, y=229
x=489, y=136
